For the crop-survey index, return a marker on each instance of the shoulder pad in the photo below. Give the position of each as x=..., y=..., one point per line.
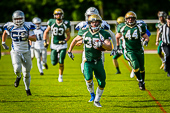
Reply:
x=43, y=28
x=8, y=25
x=105, y=25
x=81, y=25
x=29, y=25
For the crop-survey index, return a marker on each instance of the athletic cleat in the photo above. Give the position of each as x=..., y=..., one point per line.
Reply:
x=41, y=73
x=97, y=104
x=168, y=75
x=162, y=66
x=132, y=74
x=92, y=97
x=28, y=92
x=16, y=83
x=141, y=85
x=118, y=72
x=60, y=79
x=46, y=66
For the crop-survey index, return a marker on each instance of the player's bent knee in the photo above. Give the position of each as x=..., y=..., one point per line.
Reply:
x=17, y=68
x=26, y=74
x=102, y=84
x=89, y=81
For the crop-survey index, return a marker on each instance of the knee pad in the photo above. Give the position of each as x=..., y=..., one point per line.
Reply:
x=17, y=69
x=26, y=74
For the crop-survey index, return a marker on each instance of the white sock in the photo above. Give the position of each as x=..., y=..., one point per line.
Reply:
x=90, y=86
x=60, y=76
x=99, y=93
x=39, y=66
x=27, y=82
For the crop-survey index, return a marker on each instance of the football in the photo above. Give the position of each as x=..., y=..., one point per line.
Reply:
x=100, y=49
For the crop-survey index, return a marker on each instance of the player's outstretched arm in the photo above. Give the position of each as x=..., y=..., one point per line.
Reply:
x=68, y=34
x=46, y=37
x=4, y=37
x=146, y=37
x=107, y=45
x=73, y=43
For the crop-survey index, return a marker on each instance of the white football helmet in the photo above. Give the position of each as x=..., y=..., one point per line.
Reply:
x=90, y=11
x=18, y=17
x=37, y=21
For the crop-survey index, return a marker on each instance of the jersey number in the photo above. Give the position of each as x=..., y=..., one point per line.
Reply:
x=129, y=36
x=16, y=37
x=90, y=42
x=58, y=31
x=39, y=37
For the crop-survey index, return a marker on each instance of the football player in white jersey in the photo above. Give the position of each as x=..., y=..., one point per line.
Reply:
x=20, y=32
x=104, y=25
x=40, y=50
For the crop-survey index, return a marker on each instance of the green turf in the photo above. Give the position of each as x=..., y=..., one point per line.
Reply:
x=121, y=94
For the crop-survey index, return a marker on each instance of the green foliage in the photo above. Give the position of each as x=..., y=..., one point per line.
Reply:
x=121, y=94
x=75, y=9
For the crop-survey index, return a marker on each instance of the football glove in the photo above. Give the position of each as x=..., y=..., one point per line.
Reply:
x=119, y=50
x=45, y=44
x=62, y=42
x=71, y=55
x=5, y=46
x=145, y=43
x=113, y=52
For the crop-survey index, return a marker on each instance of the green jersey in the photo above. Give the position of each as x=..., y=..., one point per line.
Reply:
x=58, y=30
x=158, y=25
x=132, y=36
x=89, y=38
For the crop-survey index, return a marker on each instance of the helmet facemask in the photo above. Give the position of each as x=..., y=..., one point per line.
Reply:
x=18, y=18
x=130, y=18
x=94, y=22
x=58, y=11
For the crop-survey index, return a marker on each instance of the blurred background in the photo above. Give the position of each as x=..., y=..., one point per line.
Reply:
x=74, y=11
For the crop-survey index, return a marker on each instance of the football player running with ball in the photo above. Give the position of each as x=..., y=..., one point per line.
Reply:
x=93, y=38
x=20, y=32
x=133, y=49
x=105, y=26
x=59, y=28
x=39, y=49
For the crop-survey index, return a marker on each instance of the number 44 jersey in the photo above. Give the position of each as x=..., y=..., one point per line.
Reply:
x=132, y=35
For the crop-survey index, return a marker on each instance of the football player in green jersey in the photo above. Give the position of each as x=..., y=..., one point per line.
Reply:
x=94, y=40
x=59, y=28
x=133, y=48
x=161, y=22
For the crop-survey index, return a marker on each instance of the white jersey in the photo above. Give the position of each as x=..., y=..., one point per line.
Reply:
x=20, y=42
x=39, y=44
x=84, y=25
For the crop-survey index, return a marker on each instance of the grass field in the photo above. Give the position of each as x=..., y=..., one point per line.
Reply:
x=121, y=94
